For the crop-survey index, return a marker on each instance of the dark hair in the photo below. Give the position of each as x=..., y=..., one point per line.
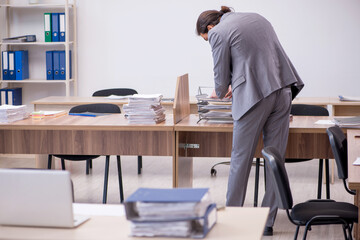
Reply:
x=210, y=17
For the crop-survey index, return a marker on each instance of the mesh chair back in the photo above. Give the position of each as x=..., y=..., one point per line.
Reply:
x=308, y=110
x=276, y=168
x=96, y=108
x=114, y=91
x=338, y=143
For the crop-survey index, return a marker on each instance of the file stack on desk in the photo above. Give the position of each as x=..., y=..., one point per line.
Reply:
x=348, y=122
x=144, y=109
x=11, y=113
x=176, y=212
x=213, y=109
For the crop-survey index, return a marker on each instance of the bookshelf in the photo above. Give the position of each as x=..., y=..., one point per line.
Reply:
x=20, y=17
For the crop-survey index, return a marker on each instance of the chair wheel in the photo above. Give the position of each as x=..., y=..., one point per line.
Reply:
x=213, y=172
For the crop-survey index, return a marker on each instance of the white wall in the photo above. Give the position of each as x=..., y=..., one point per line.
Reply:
x=146, y=44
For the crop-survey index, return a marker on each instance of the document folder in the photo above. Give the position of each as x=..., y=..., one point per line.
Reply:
x=14, y=96
x=63, y=67
x=197, y=227
x=56, y=64
x=11, y=58
x=5, y=65
x=55, y=27
x=47, y=27
x=62, y=26
x=49, y=65
x=21, y=65
x=3, y=96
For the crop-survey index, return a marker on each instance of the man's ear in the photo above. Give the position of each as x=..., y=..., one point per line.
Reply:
x=209, y=27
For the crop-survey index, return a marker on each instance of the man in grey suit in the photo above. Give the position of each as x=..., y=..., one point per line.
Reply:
x=249, y=57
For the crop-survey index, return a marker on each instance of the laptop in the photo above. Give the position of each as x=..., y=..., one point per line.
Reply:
x=41, y=198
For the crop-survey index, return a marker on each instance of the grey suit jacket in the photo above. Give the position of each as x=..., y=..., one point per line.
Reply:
x=248, y=55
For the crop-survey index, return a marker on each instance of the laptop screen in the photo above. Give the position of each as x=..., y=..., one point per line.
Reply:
x=31, y=197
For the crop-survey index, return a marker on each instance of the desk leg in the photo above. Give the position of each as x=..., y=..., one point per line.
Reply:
x=185, y=171
x=41, y=161
x=183, y=167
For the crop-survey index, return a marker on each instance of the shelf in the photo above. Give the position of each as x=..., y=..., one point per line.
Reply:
x=35, y=81
x=36, y=43
x=36, y=5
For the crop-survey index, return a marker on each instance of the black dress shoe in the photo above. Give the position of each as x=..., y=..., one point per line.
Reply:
x=268, y=231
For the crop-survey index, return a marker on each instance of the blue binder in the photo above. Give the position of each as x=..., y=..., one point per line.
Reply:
x=3, y=96
x=56, y=65
x=21, y=65
x=62, y=27
x=5, y=65
x=49, y=65
x=55, y=27
x=62, y=62
x=14, y=96
x=11, y=58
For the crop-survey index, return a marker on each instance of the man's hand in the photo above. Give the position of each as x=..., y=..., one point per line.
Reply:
x=227, y=95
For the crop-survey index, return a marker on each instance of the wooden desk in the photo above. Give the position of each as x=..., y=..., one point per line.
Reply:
x=102, y=135
x=65, y=103
x=353, y=137
x=306, y=140
x=232, y=224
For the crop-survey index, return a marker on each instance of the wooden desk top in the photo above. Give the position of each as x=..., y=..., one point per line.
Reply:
x=233, y=223
x=299, y=124
x=110, y=122
x=62, y=100
x=353, y=136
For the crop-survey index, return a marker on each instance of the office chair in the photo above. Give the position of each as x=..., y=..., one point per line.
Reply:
x=97, y=108
x=118, y=92
x=304, y=110
x=312, y=212
x=338, y=143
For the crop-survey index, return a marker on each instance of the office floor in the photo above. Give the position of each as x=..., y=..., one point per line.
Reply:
x=157, y=172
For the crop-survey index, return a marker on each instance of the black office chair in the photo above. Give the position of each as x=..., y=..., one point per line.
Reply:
x=96, y=108
x=118, y=92
x=312, y=212
x=338, y=144
x=304, y=110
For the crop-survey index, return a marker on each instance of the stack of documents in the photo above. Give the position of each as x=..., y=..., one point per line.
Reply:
x=348, y=122
x=213, y=109
x=349, y=98
x=144, y=109
x=11, y=113
x=176, y=212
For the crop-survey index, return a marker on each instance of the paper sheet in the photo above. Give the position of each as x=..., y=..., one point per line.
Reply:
x=357, y=161
x=98, y=209
x=327, y=122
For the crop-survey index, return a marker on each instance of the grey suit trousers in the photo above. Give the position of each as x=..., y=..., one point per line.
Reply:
x=270, y=116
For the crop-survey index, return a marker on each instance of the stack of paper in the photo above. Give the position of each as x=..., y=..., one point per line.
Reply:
x=177, y=212
x=144, y=109
x=348, y=122
x=349, y=98
x=11, y=113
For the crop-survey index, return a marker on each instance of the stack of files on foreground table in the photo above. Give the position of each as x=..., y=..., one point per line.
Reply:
x=145, y=109
x=12, y=113
x=176, y=212
x=348, y=122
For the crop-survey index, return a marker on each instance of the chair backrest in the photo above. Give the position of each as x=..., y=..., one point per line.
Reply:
x=114, y=91
x=96, y=108
x=308, y=110
x=276, y=168
x=338, y=143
